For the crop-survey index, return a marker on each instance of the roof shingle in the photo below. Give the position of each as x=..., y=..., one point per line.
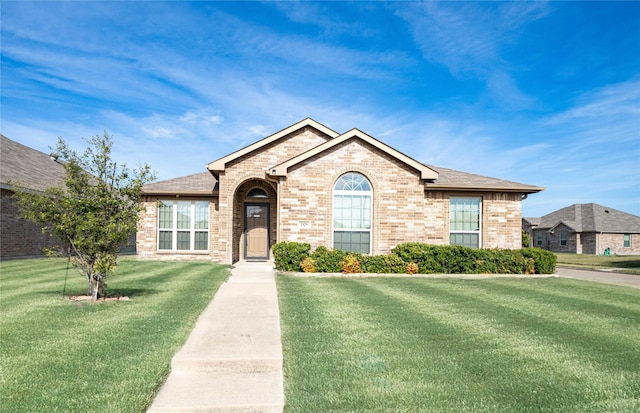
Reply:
x=28, y=167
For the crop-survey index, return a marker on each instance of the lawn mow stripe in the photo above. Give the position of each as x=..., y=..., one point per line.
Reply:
x=572, y=366
x=107, y=356
x=627, y=299
x=534, y=316
x=418, y=346
x=309, y=311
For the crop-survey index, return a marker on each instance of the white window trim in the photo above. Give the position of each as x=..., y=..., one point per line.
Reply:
x=479, y=230
x=357, y=193
x=174, y=228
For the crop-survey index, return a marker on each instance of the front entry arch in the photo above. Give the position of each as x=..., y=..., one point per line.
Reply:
x=254, y=220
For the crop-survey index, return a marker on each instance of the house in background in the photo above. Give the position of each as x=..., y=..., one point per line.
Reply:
x=32, y=170
x=311, y=184
x=585, y=229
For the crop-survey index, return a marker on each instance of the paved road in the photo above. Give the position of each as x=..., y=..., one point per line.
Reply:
x=608, y=277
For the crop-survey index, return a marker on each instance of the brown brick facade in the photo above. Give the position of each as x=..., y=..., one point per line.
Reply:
x=20, y=238
x=301, y=202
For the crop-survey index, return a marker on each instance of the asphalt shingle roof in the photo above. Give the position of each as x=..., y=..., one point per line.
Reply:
x=592, y=218
x=27, y=167
x=203, y=183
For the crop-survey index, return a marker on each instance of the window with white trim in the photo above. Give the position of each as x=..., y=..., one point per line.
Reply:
x=627, y=241
x=539, y=239
x=183, y=225
x=464, y=222
x=563, y=238
x=352, y=212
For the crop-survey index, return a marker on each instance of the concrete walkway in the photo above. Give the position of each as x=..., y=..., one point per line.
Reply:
x=232, y=361
x=608, y=277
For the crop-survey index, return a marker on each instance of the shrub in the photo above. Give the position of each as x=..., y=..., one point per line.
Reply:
x=350, y=264
x=412, y=268
x=308, y=265
x=328, y=260
x=544, y=261
x=288, y=256
x=382, y=264
x=456, y=259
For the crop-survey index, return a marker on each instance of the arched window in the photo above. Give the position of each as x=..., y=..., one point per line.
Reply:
x=257, y=193
x=352, y=197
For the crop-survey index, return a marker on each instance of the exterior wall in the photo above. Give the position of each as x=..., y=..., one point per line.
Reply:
x=501, y=220
x=18, y=237
x=249, y=167
x=147, y=237
x=301, y=204
x=615, y=242
x=402, y=211
x=307, y=194
x=588, y=242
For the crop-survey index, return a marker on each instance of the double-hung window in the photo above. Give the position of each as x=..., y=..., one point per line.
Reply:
x=563, y=238
x=627, y=240
x=464, y=222
x=352, y=195
x=539, y=239
x=183, y=225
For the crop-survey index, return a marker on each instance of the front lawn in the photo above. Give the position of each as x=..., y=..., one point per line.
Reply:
x=433, y=345
x=629, y=264
x=64, y=356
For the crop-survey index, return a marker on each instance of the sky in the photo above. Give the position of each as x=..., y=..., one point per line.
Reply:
x=542, y=93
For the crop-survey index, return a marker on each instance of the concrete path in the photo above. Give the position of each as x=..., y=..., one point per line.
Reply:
x=232, y=361
x=608, y=277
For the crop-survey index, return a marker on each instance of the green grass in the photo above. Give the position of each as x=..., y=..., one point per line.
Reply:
x=627, y=263
x=64, y=356
x=433, y=345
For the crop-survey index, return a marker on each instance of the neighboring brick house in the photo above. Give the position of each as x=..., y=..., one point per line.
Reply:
x=35, y=171
x=585, y=229
x=309, y=183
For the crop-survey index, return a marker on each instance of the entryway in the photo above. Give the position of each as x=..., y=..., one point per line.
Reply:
x=256, y=230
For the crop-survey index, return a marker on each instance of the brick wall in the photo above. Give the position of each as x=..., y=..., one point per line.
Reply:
x=301, y=203
x=20, y=238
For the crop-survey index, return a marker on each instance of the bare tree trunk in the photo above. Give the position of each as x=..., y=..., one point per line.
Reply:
x=98, y=286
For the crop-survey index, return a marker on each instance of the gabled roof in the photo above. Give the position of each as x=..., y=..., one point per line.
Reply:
x=219, y=164
x=282, y=169
x=592, y=218
x=452, y=180
x=200, y=184
x=28, y=167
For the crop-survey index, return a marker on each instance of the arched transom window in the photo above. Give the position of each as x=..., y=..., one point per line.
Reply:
x=352, y=196
x=257, y=193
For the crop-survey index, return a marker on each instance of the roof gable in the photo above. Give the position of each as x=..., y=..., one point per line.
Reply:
x=283, y=168
x=220, y=164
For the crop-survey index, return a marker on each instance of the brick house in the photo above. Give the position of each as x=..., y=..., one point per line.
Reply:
x=585, y=229
x=309, y=183
x=35, y=171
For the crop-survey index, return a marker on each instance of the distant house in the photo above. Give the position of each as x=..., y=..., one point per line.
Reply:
x=32, y=170
x=308, y=183
x=585, y=229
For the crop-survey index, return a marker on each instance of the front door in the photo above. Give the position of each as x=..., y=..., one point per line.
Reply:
x=256, y=231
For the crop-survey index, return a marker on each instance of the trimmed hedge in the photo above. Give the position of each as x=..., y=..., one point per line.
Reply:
x=287, y=256
x=416, y=257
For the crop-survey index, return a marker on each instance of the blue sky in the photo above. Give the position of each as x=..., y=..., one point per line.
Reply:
x=541, y=93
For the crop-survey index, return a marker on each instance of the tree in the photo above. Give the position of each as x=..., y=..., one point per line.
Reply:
x=95, y=212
